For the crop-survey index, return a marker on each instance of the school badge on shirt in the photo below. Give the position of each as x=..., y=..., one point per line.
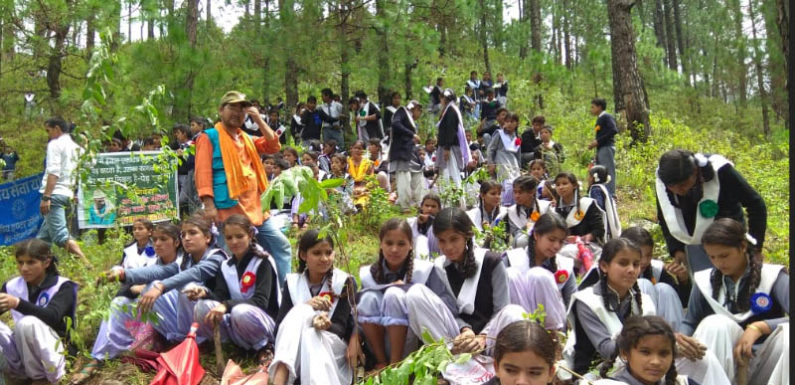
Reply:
x=561, y=276
x=44, y=299
x=327, y=295
x=247, y=281
x=761, y=303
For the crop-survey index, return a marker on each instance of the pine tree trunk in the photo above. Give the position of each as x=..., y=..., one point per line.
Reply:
x=739, y=41
x=566, y=33
x=555, y=34
x=209, y=10
x=670, y=35
x=90, y=34
x=192, y=21
x=524, y=19
x=783, y=22
x=630, y=96
x=60, y=29
x=535, y=25
x=345, y=71
x=680, y=41
x=483, y=40
x=659, y=25
x=760, y=81
x=382, y=56
x=408, y=68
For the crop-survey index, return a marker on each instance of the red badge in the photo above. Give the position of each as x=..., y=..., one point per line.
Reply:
x=247, y=281
x=561, y=276
x=518, y=141
x=327, y=295
x=534, y=216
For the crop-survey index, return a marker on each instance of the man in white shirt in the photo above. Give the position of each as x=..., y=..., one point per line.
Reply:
x=333, y=109
x=58, y=187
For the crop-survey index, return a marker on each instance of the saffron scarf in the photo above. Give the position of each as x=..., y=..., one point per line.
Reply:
x=235, y=181
x=358, y=173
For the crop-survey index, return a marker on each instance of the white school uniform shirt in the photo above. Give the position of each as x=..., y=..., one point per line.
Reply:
x=673, y=215
x=520, y=222
x=476, y=215
x=469, y=290
x=62, y=156
x=520, y=261
x=420, y=273
x=609, y=318
x=768, y=277
x=133, y=259
x=298, y=288
x=17, y=287
x=235, y=283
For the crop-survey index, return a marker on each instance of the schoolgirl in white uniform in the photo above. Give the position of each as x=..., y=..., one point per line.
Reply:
x=477, y=279
x=657, y=282
x=488, y=212
x=40, y=301
x=584, y=218
x=523, y=215
x=386, y=286
x=246, y=297
x=739, y=308
x=114, y=337
x=537, y=277
x=422, y=226
x=647, y=348
x=140, y=252
x=598, y=312
x=316, y=339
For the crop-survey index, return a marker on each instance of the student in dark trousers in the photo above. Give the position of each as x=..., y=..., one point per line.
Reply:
x=605, y=143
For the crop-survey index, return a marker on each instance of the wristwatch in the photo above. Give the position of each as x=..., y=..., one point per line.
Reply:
x=45, y=198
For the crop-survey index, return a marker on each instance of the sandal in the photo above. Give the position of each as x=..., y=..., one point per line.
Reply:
x=85, y=372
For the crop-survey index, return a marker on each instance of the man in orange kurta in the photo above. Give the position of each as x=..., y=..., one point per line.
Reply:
x=230, y=177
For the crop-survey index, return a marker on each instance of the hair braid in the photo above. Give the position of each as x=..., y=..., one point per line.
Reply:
x=744, y=298
x=605, y=290
x=469, y=267
x=608, y=363
x=716, y=280
x=671, y=374
x=409, y=268
x=638, y=297
x=376, y=270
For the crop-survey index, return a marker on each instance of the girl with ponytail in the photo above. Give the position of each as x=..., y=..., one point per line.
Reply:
x=315, y=322
x=478, y=281
x=114, y=337
x=534, y=275
x=245, y=300
x=395, y=286
x=523, y=215
x=598, y=313
x=489, y=210
x=598, y=178
x=585, y=221
x=739, y=308
x=40, y=302
x=647, y=349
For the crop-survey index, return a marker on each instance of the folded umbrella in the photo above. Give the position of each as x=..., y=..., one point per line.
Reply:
x=180, y=365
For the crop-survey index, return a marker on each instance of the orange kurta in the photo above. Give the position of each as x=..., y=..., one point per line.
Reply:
x=248, y=203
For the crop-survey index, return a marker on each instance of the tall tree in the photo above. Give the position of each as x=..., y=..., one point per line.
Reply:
x=484, y=43
x=680, y=40
x=209, y=9
x=670, y=35
x=535, y=25
x=628, y=89
x=659, y=25
x=760, y=78
x=287, y=24
x=740, y=71
x=381, y=27
x=566, y=33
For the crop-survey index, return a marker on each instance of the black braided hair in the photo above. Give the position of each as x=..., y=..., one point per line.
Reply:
x=308, y=240
x=609, y=251
x=731, y=233
x=546, y=224
x=390, y=225
x=635, y=328
x=485, y=187
x=575, y=186
x=676, y=166
x=456, y=219
x=37, y=249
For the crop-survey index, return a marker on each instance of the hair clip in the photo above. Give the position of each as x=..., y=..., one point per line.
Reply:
x=750, y=238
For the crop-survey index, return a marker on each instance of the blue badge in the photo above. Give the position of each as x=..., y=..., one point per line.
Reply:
x=761, y=303
x=44, y=299
x=149, y=251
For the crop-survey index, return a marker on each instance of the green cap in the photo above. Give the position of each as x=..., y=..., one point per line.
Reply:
x=234, y=97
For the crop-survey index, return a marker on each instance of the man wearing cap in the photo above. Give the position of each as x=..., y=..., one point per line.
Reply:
x=230, y=177
x=404, y=160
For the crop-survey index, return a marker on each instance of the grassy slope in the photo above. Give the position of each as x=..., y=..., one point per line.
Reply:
x=678, y=120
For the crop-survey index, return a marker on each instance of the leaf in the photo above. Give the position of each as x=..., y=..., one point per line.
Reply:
x=332, y=183
x=426, y=337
